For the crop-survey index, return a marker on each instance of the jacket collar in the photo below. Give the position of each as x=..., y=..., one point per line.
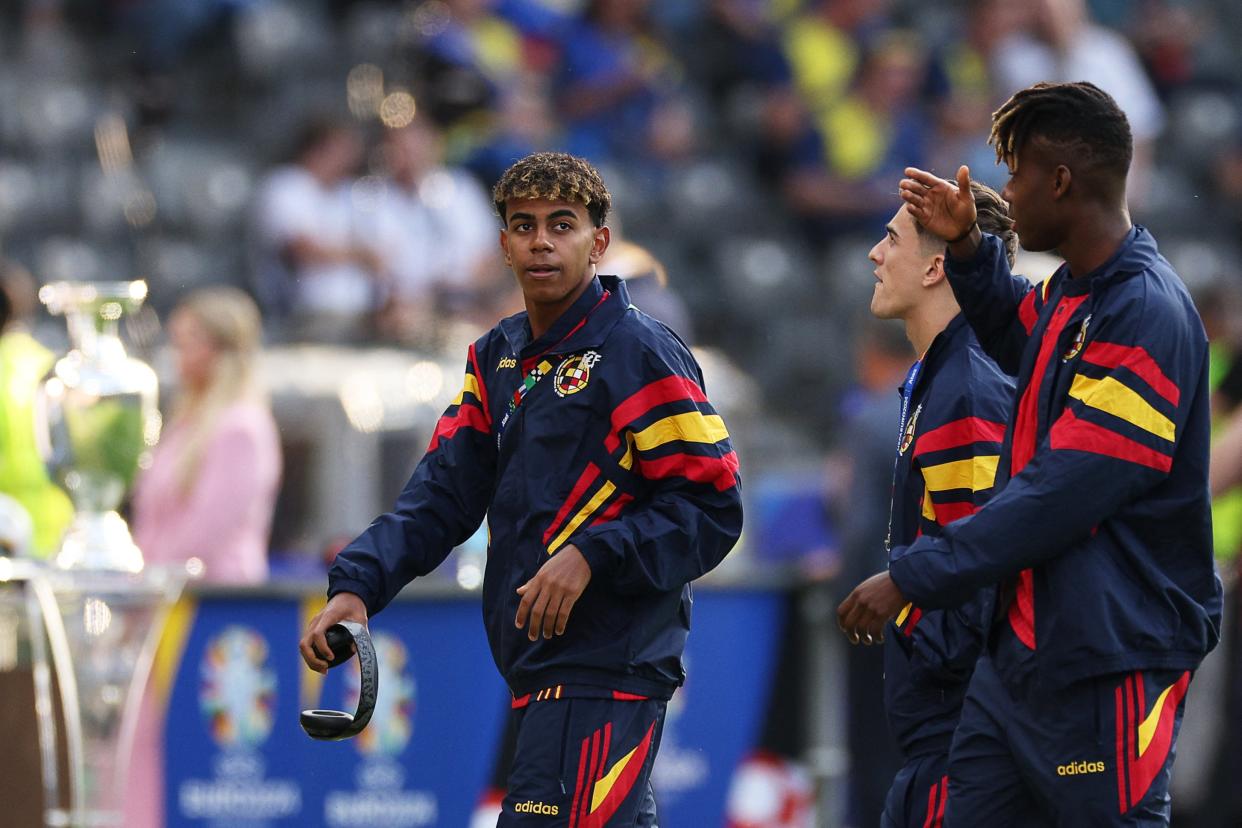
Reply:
x=941, y=341
x=1136, y=253
x=940, y=344
x=586, y=324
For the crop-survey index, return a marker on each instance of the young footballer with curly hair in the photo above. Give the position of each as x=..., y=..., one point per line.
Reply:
x=583, y=434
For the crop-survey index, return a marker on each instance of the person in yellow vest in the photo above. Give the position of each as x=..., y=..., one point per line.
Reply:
x=23, y=363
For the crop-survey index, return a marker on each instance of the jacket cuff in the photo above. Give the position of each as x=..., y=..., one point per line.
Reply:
x=903, y=570
x=338, y=585
x=598, y=555
x=983, y=254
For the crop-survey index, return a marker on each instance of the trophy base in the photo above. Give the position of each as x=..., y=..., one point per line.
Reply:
x=62, y=818
x=99, y=540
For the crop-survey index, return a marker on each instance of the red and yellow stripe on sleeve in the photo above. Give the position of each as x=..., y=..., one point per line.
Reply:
x=468, y=409
x=958, y=460
x=603, y=503
x=670, y=430
x=1134, y=392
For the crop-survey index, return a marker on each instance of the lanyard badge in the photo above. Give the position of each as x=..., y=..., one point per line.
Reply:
x=541, y=370
x=905, y=437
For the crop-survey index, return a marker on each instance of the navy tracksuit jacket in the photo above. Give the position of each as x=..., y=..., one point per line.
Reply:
x=614, y=448
x=1100, y=529
x=946, y=461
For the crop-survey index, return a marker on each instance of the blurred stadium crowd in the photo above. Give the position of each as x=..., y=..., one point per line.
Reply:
x=334, y=158
x=753, y=146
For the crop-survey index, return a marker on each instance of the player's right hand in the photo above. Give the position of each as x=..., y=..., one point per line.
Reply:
x=344, y=606
x=944, y=208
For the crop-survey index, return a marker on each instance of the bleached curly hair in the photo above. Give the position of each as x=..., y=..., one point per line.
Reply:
x=554, y=176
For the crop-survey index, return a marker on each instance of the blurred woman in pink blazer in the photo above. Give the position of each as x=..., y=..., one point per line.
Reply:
x=211, y=487
x=207, y=499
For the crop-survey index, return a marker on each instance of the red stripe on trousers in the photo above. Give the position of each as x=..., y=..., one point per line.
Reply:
x=1147, y=767
x=1122, y=804
x=929, y=820
x=623, y=785
x=582, y=761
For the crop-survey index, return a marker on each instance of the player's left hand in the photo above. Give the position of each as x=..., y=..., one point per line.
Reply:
x=548, y=598
x=868, y=608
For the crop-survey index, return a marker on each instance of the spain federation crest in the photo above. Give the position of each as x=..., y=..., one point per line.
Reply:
x=573, y=374
x=1079, y=339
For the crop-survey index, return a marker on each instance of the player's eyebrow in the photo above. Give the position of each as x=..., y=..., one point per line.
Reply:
x=555, y=214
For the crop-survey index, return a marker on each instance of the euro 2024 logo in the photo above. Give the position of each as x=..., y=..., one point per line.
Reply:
x=238, y=690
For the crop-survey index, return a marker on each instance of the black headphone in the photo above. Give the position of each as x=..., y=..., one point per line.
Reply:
x=334, y=725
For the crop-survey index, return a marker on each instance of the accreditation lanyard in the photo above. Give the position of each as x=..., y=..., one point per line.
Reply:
x=541, y=370
x=907, y=393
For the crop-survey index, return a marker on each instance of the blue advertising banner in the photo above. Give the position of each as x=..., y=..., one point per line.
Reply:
x=232, y=718
x=426, y=757
x=714, y=719
x=236, y=756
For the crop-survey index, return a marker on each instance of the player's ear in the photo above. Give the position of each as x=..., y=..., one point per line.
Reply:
x=602, y=238
x=934, y=274
x=504, y=245
x=1062, y=177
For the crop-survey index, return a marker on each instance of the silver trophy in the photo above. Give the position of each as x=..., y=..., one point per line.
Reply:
x=102, y=417
x=101, y=611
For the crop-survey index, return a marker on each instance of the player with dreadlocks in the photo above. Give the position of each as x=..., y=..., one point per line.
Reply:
x=608, y=483
x=1099, y=533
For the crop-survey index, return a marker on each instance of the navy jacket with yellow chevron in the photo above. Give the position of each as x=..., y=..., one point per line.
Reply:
x=1100, y=529
x=946, y=460
x=597, y=434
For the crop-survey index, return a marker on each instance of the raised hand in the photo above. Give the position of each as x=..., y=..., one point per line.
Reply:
x=944, y=208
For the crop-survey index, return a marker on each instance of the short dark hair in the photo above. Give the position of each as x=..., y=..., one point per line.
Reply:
x=554, y=176
x=992, y=215
x=1078, y=119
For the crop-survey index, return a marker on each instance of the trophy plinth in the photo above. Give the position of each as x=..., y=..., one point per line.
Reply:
x=101, y=418
x=102, y=612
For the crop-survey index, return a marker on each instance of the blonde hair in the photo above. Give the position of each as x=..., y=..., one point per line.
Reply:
x=232, y=322
x=554, y=176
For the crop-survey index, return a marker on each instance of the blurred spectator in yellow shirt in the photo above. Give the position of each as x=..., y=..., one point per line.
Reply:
x=23, y=362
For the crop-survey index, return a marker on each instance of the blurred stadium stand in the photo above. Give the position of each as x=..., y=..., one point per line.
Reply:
x=134, y=135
